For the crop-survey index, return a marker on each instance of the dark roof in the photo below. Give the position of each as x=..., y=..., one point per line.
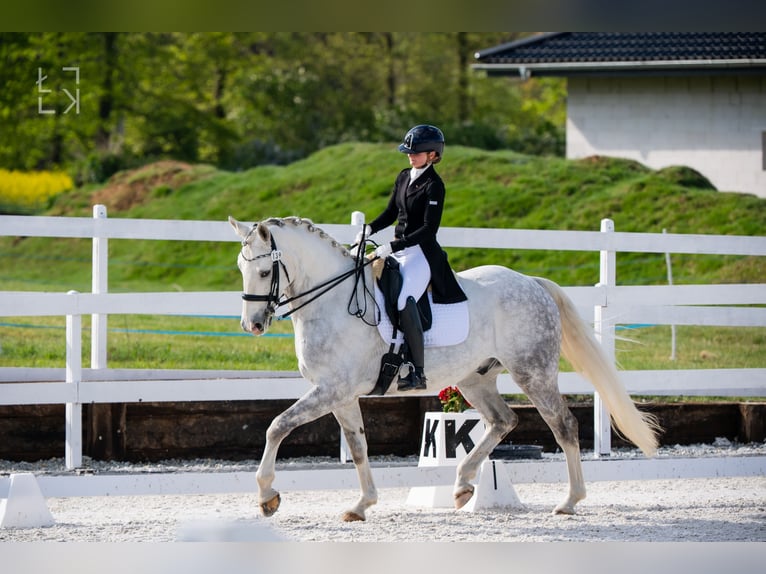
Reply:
x=571, y=53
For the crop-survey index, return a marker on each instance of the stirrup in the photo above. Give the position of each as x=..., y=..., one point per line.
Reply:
x=413, y=381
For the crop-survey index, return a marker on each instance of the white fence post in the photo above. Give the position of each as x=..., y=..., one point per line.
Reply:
x=357, y=220
x=670, y=282
x=73, y=445
x=99, y=284
x=602, y=429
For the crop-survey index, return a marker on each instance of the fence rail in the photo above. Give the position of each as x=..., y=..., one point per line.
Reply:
x=606, y=303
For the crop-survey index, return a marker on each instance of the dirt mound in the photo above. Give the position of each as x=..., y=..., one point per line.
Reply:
x=129, y=188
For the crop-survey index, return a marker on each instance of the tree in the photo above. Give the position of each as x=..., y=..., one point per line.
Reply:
x=242, y=99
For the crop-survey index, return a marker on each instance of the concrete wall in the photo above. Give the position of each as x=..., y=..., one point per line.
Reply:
x=715, y=125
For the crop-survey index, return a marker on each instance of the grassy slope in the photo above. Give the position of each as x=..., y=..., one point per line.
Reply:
x=485, y=189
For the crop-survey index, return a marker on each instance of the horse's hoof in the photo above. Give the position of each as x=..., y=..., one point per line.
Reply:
x=269, y=507
x=462, y=498
x=350, y=516
x=564, y=509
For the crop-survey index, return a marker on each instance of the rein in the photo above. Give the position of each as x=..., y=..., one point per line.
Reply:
x=274, y=299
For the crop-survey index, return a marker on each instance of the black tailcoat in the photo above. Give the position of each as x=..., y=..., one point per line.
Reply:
x=418, y=209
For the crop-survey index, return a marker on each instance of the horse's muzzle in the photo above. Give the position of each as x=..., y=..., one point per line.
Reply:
x=256, y=326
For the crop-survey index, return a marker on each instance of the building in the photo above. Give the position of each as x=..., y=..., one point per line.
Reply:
x=662, y=98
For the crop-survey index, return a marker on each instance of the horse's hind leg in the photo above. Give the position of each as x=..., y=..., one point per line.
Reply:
x=481, y=391
x=350, y=418
x=551, y=406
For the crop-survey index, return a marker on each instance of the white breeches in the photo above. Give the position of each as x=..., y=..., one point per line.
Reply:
x=416, y=274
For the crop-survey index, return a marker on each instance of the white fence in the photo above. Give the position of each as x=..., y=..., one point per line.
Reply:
x=607, y=304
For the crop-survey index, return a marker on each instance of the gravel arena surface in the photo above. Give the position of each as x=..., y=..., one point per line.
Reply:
x=706, y=509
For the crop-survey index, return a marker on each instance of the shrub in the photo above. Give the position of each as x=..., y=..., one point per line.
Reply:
x=28, y=192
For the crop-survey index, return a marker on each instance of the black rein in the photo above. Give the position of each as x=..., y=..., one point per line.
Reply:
x=274, y=299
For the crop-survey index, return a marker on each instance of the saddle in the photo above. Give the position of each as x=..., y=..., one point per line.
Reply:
x=390, y=284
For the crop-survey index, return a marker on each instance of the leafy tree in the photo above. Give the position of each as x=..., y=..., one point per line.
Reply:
x=242, y=99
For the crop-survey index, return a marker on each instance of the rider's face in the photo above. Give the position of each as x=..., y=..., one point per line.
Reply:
x=418, y=160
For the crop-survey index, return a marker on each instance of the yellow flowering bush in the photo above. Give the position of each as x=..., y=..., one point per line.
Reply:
x=22, y=192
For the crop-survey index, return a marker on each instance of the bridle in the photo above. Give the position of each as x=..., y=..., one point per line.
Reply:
x=274, y=298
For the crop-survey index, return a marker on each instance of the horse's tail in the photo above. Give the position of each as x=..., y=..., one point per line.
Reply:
x=583, y=351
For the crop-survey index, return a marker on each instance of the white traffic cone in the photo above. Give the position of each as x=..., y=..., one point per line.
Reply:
x=25, y=506
x=495, y=489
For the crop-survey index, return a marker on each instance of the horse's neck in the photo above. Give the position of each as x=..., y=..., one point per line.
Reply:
x=313, y=260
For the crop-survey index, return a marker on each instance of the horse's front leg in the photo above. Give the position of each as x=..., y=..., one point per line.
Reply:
x=350, y=418
x=315, y=403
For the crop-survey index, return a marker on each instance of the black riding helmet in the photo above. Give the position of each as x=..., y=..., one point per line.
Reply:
x=423, y=138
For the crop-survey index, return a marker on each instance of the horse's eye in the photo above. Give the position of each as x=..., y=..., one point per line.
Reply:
x=265, y=273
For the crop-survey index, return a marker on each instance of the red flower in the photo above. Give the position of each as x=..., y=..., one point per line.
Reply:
x=452, y=400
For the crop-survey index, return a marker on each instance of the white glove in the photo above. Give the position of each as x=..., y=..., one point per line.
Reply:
x=383, y=251
x=366, y=232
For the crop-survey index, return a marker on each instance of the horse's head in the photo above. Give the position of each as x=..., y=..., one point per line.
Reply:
x=258, y=261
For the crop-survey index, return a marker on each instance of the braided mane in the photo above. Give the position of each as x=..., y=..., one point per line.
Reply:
x=309, y=226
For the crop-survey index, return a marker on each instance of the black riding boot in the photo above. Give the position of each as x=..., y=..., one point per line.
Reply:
x=412, y=328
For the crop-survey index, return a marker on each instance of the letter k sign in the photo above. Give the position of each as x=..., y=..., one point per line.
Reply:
x=462, y=436
x=429, y=438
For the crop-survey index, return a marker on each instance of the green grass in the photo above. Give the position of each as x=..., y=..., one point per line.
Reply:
x=141, y=341
x=696, y=348
x=500, y=189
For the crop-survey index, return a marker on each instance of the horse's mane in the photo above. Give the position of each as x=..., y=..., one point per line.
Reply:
x=308, y=225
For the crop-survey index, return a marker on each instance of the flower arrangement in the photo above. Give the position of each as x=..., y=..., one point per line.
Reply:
x=453, y=401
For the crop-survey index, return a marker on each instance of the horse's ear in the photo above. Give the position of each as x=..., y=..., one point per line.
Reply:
x=263, y=232
x=241, y=229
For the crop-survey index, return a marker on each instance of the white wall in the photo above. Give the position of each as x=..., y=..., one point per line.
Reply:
x=712, y=124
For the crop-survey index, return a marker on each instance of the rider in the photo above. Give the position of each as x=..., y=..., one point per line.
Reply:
x=417, y=201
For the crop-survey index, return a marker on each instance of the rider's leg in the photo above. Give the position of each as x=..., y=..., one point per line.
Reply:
x=409, y=321
x=416, y=274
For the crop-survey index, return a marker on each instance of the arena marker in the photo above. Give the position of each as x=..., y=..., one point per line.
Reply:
x=25, y=506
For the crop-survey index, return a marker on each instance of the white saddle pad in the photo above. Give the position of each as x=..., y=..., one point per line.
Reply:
x=449, y=327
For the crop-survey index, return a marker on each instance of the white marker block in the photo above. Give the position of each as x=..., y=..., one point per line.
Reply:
x=447, y=439
x=495, y=489
x=25, y=506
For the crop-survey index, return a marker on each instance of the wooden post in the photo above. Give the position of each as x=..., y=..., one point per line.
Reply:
x=357, y=220
x=73, y=445
x=753, y=422
x=105, y=436
x=670, y=282
x=99, y=284
x=602, y=429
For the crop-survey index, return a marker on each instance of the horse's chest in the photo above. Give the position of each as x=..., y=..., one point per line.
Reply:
x=315, y=346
